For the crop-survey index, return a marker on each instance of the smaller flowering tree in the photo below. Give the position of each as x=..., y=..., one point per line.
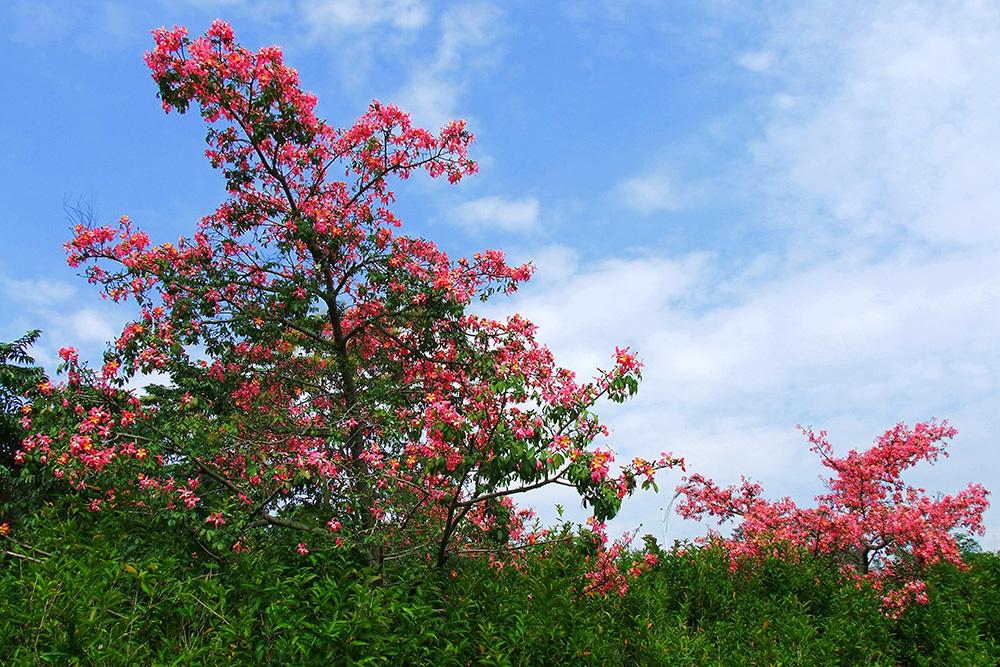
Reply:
x=326, y=375
x=612, y=568
x=874, y=526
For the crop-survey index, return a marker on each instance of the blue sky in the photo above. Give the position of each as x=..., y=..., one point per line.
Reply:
x=788, y=209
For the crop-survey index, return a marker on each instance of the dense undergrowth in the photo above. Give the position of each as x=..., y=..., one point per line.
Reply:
x=112, y=593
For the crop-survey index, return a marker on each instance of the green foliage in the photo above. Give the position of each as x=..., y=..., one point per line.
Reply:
x=19, y=490
x=17, y=374
x=963, y=617
x=17, y=370
x=117, y=591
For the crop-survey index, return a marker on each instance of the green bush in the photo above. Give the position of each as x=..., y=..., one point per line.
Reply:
x=118, y=594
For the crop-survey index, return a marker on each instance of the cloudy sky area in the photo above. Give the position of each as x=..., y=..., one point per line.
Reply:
x=788, y=209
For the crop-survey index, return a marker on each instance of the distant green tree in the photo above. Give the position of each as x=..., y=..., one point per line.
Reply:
x=18, y=374
x=968, y=544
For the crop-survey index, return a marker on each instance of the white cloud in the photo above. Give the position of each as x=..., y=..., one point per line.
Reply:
x=554, y=264
x=647, y=193
x=878, y=304
x=510, y=215
x=36, y=23
x=140, y=381
x=89, y=326
x=895, y=127
x=757, y=61
x=36, y=292
x=357, y=34
x=435, y=87
x=732, y=368
x=429, y=98
x=834, y=334
x=65, y=316
x=353, y=15
x=81, y=25
x=464, y=30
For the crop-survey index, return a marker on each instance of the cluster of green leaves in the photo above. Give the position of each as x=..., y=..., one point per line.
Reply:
x=101, y=598
x=17, y=374
x=19, y=490
x=690, y=609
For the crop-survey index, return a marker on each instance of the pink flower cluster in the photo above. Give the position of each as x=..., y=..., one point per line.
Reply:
x=612, y=568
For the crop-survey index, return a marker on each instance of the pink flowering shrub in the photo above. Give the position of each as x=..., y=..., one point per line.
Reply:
x=875, y=527
x=326, y=374
x=614, y=567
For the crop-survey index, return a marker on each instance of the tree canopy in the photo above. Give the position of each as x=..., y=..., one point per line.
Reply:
x=326, y=372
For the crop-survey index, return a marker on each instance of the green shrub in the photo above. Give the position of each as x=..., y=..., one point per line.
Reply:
x=117, y=592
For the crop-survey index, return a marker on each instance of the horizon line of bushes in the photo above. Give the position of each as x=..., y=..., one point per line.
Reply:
x=108, y=591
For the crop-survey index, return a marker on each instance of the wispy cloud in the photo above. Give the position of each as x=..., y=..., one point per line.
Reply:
x=35, y=23
x=35, y=292
x=83, y=25
x=337, y=15
x=63, y=315
x=757, y=61
x=435, y=87
x=651, y=192
x=732, y=365
x=509, y=215
x=894, y=128
x=88, y=326
x=875, y=303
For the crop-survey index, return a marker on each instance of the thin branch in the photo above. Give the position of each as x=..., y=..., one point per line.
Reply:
x=22, y=556
x=517, y=547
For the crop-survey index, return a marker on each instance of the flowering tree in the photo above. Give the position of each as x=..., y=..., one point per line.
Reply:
x=325, y=373
x=871, y=523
